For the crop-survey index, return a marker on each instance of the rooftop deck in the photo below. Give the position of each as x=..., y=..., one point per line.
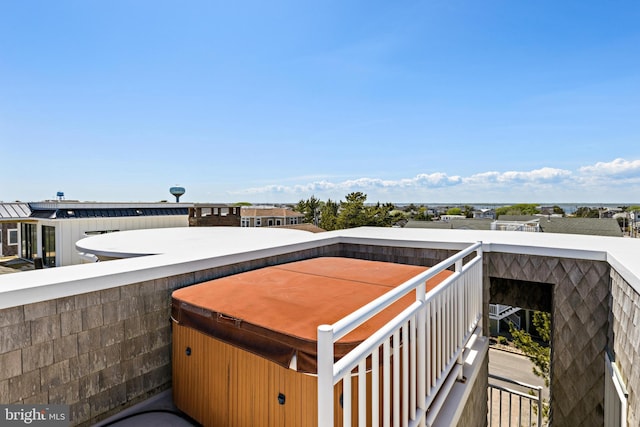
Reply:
x=96, y=336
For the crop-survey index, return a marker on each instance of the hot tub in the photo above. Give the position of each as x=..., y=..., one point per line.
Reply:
x=244, y=346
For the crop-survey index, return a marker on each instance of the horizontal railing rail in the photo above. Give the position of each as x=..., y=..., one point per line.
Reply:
x=404, y=370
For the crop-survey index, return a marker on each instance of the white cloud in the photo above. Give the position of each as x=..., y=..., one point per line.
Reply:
x=616, y=167
x=537, y=175
x=544, y=183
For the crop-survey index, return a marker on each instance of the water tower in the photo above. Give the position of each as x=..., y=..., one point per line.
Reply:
x=177, y=191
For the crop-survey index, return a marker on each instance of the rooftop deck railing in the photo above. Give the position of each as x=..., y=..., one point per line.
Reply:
x=415, y=359
x=514, y=403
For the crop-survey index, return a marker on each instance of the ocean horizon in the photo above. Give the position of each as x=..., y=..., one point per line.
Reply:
x=567, y=207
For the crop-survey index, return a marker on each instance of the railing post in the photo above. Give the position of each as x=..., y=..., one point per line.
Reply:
x=459, y=315
x=325, y=376
x=540, y=406
x=421, y=368
x=480, y=284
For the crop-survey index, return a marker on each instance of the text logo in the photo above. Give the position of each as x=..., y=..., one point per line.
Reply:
x=34, y=415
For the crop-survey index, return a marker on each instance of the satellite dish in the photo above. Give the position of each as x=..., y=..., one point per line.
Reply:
x=177, y=191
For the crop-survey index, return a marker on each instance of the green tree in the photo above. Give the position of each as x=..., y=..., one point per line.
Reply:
x=538, y=353
x=329, y=215
x=352, y=212
x=300, y=207
x=422, y=215
x=397, y=216
x=586, y=212
x=454, y=211
x=468, y=211
x=518, y=209
x=379, y=215
x=410, y=208
x=310, y=208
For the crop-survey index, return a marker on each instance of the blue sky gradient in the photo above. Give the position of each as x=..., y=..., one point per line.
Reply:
x=435, y=101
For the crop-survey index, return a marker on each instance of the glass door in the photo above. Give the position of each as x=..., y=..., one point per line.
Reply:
x=29, y=241
x=49, y=246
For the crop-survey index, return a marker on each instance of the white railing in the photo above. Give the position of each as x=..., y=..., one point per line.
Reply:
x=414, y=360
x=514, y=320
x=518, y=404
x=615, y=395
x=529, y=226
x=499, y=311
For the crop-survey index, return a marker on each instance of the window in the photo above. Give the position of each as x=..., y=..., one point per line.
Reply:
x=245, y=222
x=294, y=221
x=270, y=222
x=258, y=222
x=12, y=237
x=278, y=222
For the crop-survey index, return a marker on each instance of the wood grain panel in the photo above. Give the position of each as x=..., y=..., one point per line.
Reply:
x=220, y=385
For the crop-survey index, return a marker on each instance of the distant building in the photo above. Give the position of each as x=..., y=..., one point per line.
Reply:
x=568, y=225
x=52, y=228
x=610, y=212
x=448, y=218
x=532, y=225
x=454, y=224
x=10, y=216
x=543, y=224
x=214, y=215
x=269, y=217
x=484, y=214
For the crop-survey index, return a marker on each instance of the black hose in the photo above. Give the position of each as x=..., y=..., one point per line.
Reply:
x=151, y=411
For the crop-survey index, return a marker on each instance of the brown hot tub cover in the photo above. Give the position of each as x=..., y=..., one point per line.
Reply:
x=275, y=311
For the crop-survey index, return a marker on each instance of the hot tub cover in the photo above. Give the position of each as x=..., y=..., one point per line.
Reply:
x=275, y=311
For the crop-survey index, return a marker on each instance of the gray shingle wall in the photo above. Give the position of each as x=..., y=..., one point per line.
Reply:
x=6, y=249
x=477, y=405
x=414, y=256
x=580, y=321
x=94, y=351
x=624, y=339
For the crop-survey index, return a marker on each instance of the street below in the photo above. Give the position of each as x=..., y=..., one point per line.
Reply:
x=506, y=410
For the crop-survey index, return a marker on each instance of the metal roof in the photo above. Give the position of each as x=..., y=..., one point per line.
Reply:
x=14, y=210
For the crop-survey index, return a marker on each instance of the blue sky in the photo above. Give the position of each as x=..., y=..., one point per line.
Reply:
x=434, y=101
